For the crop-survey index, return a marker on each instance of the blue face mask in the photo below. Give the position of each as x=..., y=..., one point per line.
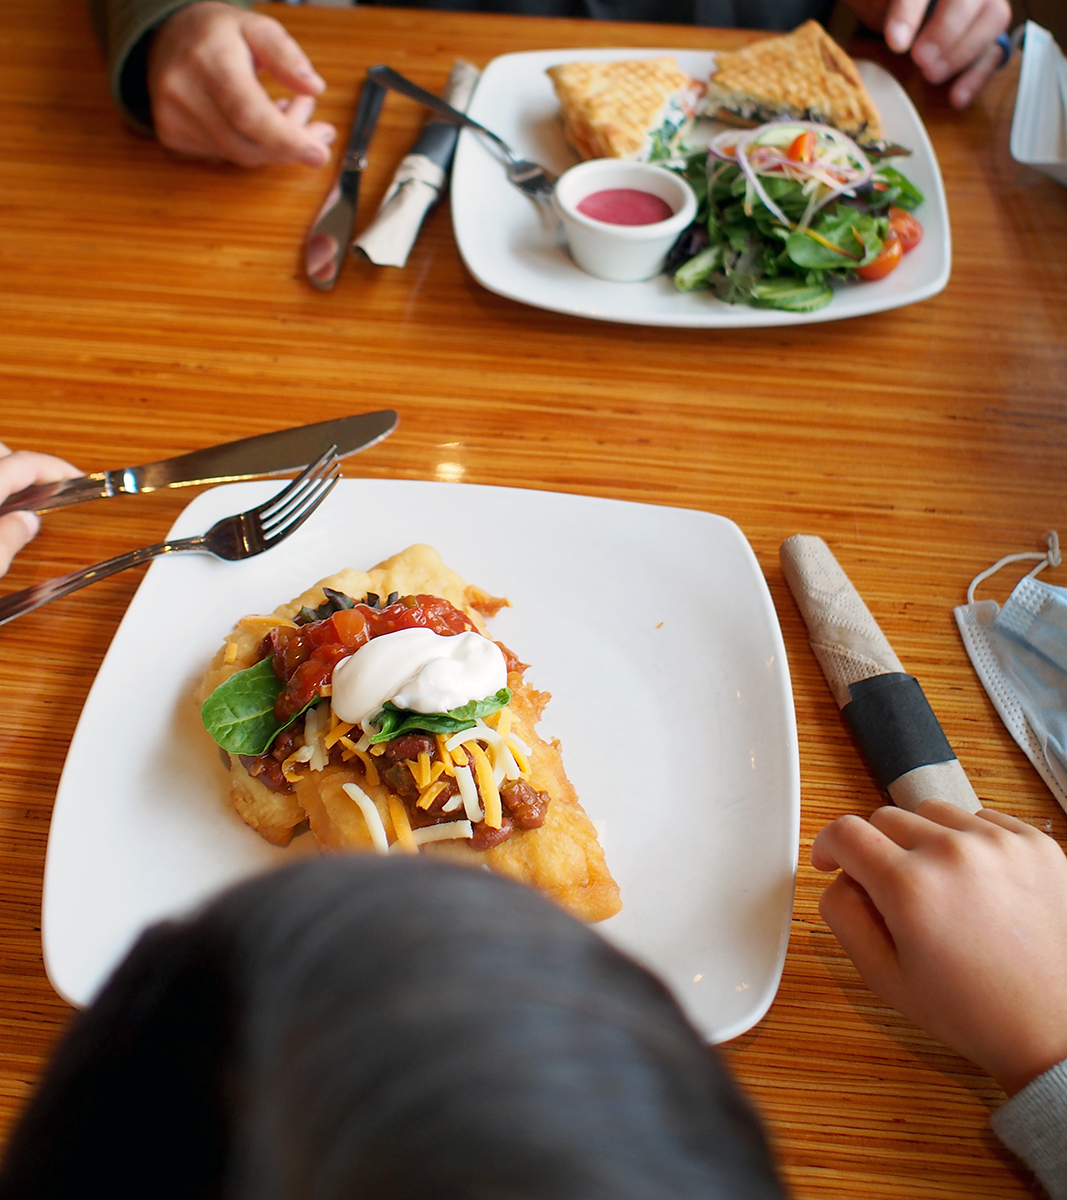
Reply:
x=1020, y=654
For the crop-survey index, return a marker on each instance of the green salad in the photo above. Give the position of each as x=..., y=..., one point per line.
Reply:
x=787, y=208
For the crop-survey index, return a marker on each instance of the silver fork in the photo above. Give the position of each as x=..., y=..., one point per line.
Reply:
x=529, y=177
x=240, y=536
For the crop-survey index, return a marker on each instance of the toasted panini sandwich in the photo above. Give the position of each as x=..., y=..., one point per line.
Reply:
x=639, y=109
x=800, y=75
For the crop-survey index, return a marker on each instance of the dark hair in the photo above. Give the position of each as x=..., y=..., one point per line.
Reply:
x=385, y=1028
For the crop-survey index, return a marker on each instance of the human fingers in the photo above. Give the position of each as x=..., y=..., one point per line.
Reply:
x=16, y=529
x=276, y=51
x=857, y=924
x=971, y=82
x=207, y=100
x=24, y=468
x=252, y=129
x=297, y=109
x=19, y=470
x=856, y=847
x=902, y=21
x=957, y=34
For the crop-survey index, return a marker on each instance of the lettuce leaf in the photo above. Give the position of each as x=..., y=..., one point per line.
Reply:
x=239, y=713
x=394, y=721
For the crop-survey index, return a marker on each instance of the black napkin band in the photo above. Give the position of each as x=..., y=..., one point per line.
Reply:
x=437, y=142
x=894, y=726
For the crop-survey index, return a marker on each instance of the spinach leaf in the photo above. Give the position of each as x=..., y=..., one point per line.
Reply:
x=395, y=721
x=899, y=190
x=239, y=714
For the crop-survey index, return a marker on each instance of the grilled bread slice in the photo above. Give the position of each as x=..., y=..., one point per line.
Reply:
x=638, y=108
x=803, y=74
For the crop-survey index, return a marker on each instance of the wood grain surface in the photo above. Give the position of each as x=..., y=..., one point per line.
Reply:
x=151, y=305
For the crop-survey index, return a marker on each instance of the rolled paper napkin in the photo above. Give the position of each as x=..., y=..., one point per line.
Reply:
x=883, y=706
x=418, y=181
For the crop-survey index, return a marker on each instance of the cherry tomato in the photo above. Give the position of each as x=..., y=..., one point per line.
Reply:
x=888, y=260
x=803, y=147
x=906, y=227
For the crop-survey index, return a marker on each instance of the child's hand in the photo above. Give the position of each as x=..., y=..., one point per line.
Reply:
x=960, y=922
x=17, y=471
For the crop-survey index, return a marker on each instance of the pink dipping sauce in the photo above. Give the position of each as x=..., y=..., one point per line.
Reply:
x=625, y=206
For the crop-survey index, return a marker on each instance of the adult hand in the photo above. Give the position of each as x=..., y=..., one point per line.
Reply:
x=958, y=920
x=959, y=39
x=17, y=471
x=206, y=97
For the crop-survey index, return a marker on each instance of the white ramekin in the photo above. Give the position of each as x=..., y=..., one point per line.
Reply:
x=622, y=253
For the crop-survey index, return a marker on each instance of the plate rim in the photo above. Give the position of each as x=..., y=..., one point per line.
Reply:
x=716, y=319
x=69, y=789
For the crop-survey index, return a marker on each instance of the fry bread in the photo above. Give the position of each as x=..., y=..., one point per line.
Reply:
x=561, y=857
x=614, y=109
x=803, y=74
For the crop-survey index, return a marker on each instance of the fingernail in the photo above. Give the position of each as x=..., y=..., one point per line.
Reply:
x=315, y=156
x=898, y=35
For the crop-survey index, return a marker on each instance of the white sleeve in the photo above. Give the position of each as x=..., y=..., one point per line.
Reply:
x=1033, y=1125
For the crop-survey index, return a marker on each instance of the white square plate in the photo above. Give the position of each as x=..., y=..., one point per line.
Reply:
x=652, y=627
x=512, y=247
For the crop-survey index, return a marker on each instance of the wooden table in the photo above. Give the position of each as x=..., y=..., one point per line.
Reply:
x=151, y=306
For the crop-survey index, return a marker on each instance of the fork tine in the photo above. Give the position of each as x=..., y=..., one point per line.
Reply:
x=297, y=503
x=311, y=501
x=274, y=509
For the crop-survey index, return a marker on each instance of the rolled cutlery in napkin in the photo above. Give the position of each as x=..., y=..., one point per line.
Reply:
x=419, y=179
x=883, y=706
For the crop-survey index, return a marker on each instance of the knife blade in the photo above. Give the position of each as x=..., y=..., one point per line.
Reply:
x=266, y=454
x=329, y=236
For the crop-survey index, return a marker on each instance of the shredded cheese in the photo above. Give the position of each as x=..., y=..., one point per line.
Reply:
x=431, y=793
x=453, y=803
x=370, y=814
x=338, y=730
x=458, y=757
x=469, y=793
x=398, y=814
x=487, y=788
x=520, y=751
x=231, y=653
x=443, y=833
x=314, y=725
x=368, y=766
x=420, y=769
x=444, y=757
x=298, y=756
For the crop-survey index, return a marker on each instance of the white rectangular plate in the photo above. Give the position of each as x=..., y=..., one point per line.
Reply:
x=652, y=627
x=512, y=246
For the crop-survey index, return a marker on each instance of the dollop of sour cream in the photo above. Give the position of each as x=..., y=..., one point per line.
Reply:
x=418, y=670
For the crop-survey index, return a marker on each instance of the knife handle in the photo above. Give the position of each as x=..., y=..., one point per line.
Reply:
x=44, y=497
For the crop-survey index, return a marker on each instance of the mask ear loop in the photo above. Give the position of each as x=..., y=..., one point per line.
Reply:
x=1049, y=559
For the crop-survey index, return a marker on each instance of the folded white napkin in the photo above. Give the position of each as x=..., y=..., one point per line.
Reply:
x=1039, y=126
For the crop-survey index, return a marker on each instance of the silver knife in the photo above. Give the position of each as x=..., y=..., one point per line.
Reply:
x=266, y=454
x=329, y=237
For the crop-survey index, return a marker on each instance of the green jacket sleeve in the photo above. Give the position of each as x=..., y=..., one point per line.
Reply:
x=123, y=29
